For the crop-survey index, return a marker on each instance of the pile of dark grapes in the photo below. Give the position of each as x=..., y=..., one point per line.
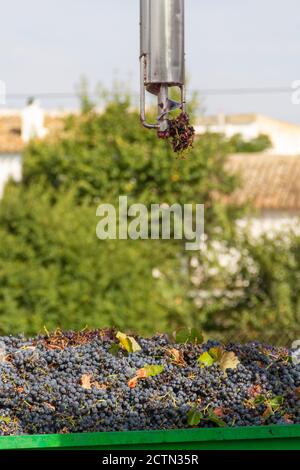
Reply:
x=180, y=133
x=80, y=382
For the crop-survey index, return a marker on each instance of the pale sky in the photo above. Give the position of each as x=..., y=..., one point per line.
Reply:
x=46, y=45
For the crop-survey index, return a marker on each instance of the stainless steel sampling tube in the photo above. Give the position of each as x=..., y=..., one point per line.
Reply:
x=161, y=48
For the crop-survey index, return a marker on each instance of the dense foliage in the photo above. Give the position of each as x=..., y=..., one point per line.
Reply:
x=257, y=144
x=55, y=272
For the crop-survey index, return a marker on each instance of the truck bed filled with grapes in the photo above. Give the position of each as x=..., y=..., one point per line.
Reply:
x=107, y=381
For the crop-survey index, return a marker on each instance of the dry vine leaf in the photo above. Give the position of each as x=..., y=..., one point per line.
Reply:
x=255, y=390
x=288, y=418
x=100, y=386
x=85, y=381
x=229, y=361
x=260, y=364
x=268, y=412
x=219, y=412
x=177, y=356
x=64, y=431
x=298, y=392
x=53, y=347
x=3, y=354
x=144, y=373
x=51, y=407
x=132, y=383
x=28, y=348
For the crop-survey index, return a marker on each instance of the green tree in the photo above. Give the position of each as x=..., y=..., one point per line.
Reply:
x=55, y=272
x=256, y=145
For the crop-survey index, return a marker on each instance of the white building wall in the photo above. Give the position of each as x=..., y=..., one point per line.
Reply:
x=248, y=131
x=285, y=137
x=10, y=168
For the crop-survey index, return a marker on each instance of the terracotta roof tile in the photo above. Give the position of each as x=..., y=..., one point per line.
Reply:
x=10, y=132
x=268, y=182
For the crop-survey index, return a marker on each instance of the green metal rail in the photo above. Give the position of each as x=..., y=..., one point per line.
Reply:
x=255, y=438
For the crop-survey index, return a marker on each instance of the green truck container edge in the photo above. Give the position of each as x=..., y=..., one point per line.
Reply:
x=250, y=438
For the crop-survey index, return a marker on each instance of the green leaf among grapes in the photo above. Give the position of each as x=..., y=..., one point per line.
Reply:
x=211, y=416
x=5, y=419
x=188, y=335
x=209, y=358
x=225, y=360
x=194, y=417
x=153, y=371
x=276, y=403
x=259, y=400
x=206, y=359
x=128, y=343
x=114, y=349
x=272, y=404
x=216, y=353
